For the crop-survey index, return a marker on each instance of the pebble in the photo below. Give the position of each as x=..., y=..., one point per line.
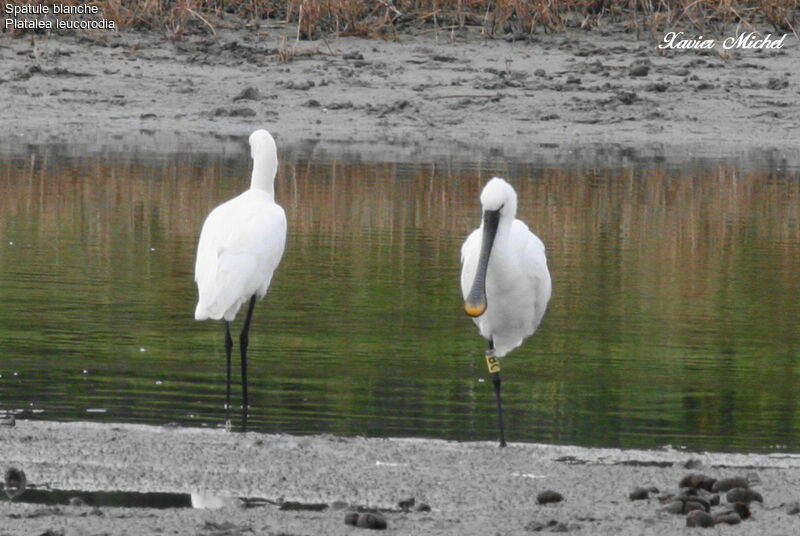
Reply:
x=742, y=509
x=248, y=93
x=684, y=504
x=699, y=518
x=728, y=517
x=743, y=495
x=693, y=463
x=366, y=520
x=726, y=484
x=639, y=494
x=302, y=86
x=15, y=482
x=698, y=480
x=235, y=112
x=777, y=83
x=406, y=504
x=639, y=70
x=549, y=496
x=551, y=526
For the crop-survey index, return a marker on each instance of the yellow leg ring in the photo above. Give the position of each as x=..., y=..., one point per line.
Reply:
x=493, y=363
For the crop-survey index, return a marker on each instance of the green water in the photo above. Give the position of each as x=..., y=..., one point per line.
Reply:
x=674, y=317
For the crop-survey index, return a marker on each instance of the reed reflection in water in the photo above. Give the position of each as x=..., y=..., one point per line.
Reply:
x=673, y=318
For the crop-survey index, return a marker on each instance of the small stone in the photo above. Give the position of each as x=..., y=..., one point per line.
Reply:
x=693, y=463
x=691, y=506
x=248, y=93
x=698, y=480
x=743, y=495
x=639, y=70
x=742, y=509
x=302, y=86
x=371, y=521
x=549, y=496
x=684, y=504
x=699, y=518
x=639, y=494
x=777, y=83
x=423, y=507
x=406, y=504
x=793, y=509
x=627, y=97
x=15, y=482
x=235, y=112
x=352, y=56
x=729, y=518
x=695, y=499
x=551, y=526
x=726, y=484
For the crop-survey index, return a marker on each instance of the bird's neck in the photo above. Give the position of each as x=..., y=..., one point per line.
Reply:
x=263, y=178
x=503, y=232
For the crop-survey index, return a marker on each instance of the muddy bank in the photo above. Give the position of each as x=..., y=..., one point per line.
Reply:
x=428, y=92
x=471, y=488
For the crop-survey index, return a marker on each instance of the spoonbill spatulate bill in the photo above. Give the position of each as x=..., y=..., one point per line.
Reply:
x=240, y=247
x=504, y=279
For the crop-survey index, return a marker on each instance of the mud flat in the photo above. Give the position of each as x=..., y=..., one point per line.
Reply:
x=471, y=488
x=427, y=91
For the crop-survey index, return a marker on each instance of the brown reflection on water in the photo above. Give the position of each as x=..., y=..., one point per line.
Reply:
x=659, y=272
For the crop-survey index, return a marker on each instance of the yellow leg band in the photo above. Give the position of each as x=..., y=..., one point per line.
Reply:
x=493, y=363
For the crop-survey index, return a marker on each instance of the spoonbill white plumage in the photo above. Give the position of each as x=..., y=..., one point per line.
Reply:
x=241, y=245
x=504, y=279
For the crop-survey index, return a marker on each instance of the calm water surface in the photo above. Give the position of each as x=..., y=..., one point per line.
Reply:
x=674, y=318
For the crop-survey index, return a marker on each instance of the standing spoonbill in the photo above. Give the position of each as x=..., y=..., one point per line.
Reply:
x=504, y=279
x=240, y=247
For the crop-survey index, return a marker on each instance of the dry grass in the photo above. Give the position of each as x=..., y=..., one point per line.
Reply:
x=383, y=18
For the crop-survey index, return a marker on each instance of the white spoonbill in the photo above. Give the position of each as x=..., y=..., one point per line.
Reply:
x=240, y=247
x=504, y=279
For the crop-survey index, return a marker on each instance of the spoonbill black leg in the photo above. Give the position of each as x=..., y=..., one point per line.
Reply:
x=228, y=348
x=494, y=369
x=244, y=339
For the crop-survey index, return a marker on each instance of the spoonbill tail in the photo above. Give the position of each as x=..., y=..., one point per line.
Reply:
x=241, y=245
x=504, y=279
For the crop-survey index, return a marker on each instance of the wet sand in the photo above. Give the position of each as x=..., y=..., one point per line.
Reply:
x=471, y=488
x=428, y=93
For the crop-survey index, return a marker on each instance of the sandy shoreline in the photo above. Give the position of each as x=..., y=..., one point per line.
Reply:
x=432, y=90
x=428, y=94
x=472, y=488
